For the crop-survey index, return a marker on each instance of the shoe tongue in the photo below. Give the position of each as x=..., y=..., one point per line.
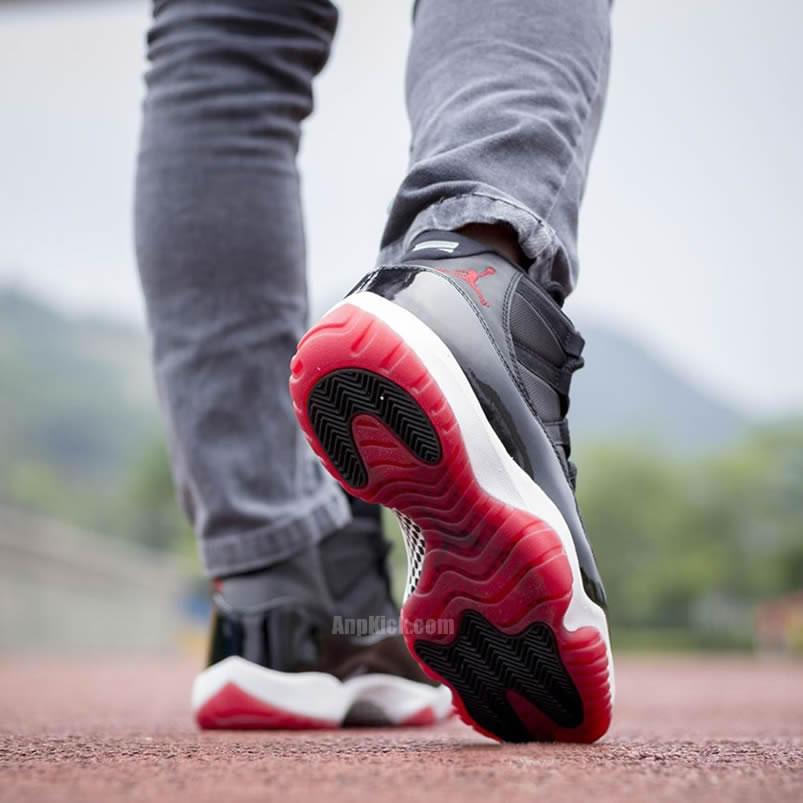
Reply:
x=435, y=244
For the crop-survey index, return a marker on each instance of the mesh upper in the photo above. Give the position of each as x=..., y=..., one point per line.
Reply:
x=415, y=547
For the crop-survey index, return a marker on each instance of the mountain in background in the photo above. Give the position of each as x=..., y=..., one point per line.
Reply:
x=76, y=402
x=706, y=537
x=625, y=392
x=77, y=399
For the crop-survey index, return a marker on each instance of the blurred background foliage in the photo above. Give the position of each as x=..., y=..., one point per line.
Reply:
x=691, y=533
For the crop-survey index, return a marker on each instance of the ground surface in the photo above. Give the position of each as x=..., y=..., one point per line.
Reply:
x=685, y=729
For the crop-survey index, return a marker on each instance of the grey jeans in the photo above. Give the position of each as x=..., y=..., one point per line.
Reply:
x=504, y=99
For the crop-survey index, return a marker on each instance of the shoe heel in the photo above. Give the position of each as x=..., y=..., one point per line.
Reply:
x=382, y=425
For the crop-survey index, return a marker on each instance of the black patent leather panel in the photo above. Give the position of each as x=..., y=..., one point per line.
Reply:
x=470, y=329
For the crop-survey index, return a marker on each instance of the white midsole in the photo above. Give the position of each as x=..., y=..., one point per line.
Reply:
x=321, y=696
x=494, y=469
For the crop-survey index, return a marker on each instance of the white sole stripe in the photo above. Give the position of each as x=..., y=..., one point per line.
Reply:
x=321, y=696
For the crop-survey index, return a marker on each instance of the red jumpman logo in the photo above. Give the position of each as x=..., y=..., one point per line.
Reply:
x=472, y=277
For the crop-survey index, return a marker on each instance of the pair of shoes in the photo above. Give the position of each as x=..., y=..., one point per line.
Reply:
x=278, y=659
x=439, y=388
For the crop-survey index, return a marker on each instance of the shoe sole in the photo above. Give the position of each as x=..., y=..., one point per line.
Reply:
x=498, y=612
x=236, y=694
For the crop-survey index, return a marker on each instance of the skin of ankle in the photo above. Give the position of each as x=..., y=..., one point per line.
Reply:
x=499, y=236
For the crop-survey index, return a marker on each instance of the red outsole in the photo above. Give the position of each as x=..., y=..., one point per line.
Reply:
x=421, y=719
x=481, y=554
x=233, y=709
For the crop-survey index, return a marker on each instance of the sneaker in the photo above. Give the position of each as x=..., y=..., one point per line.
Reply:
x=439, y=388
x=277, y=659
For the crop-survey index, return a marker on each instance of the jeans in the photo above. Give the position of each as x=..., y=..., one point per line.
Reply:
x=504, y=99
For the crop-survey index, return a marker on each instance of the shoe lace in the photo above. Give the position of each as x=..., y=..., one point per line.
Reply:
x=560, y=430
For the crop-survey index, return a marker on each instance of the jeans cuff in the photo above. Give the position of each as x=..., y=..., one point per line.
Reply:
x=257, y=549
x=537, y=239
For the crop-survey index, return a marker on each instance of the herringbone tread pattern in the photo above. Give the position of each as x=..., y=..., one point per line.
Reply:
x=485, y=664
x=342, y=395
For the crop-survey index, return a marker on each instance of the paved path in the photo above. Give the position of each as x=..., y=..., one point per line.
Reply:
x=685, y=729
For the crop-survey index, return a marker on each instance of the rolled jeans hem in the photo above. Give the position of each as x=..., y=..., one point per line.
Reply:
x=538, y=240
x=257, y=549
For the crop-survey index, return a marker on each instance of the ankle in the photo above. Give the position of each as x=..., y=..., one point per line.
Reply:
x=499, y=236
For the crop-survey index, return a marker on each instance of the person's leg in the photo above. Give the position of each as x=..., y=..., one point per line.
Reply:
x=504, y=100
x=220, y=247
x=221, y=255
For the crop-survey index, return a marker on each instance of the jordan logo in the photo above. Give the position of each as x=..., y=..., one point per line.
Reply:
x=472, y=277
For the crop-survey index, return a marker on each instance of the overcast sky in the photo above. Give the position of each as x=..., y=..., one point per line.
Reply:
x=689, y=235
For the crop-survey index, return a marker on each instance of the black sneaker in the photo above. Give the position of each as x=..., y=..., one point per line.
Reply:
x=439, y=388
x=289, y=652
